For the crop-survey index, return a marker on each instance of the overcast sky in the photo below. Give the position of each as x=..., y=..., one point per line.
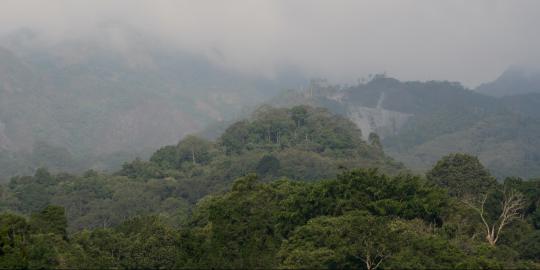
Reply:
x=459, y=40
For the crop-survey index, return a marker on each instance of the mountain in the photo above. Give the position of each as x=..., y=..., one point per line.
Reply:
x=513, y=81
x=103, y=101
x=301, y=144
x=419, y=122
x=524, y=104
x=262, y=195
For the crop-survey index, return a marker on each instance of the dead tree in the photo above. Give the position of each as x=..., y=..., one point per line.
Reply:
x=511, y=205
x=373, y=262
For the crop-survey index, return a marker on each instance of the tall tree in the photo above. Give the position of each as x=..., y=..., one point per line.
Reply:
x=511, y=205
x=461, y=174
x=354, y=240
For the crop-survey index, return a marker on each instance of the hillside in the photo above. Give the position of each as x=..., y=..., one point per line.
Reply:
x=419, y=122
x=514, y=81
x=100, y=102
x=301, y=143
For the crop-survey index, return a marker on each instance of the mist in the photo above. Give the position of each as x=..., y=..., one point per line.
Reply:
x=467, y=41
x=269, y=134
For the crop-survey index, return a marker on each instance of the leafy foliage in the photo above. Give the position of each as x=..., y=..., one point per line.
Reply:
x=462, y=175
x=198, y=204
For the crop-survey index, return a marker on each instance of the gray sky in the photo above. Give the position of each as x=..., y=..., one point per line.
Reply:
x=471, y=41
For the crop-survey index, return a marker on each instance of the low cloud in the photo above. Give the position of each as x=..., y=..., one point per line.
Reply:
x=467, y=41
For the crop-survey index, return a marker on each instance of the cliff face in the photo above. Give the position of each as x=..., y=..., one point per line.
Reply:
x=419, y=122
x=378, y=120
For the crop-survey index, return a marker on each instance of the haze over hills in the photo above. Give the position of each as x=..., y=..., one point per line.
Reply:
x=419, y=122
x=301, y=144
x=97, y=104
x=77, y=105
x=72, y=106
x=514, y=81
x=252, y=134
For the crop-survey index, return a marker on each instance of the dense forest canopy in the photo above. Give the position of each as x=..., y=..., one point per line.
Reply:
x=360, y=219
x=302, y=143
x=281, y=189
x=305, y=134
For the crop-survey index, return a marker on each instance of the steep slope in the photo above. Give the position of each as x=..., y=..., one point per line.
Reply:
x=507, y=145
x=302, y=143
x=103, y=99
x=419, y=122
x=514, y=81
x=524, y=104
x=299, y=143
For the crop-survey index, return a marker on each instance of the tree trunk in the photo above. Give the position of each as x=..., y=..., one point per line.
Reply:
x=193, y=155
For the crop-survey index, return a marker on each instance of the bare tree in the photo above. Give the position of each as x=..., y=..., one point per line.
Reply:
x=373, y=262
x=193, y=155
x=511, y=205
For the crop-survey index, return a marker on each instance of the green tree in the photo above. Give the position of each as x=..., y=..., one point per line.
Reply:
x=462, y=175
x=194, y=150
x=268, y=165
x=235, y=137
x=14, y=233
x=167, y=157
x=52, y=219
x=355, y=240
x=240, y=227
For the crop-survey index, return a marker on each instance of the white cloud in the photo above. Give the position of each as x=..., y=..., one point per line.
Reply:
x=468, y=41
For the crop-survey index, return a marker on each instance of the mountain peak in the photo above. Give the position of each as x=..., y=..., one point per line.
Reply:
x=513, y=81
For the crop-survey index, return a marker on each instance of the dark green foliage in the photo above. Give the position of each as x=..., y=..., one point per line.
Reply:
x=235, y=137
x=359, y=220
x=531, y=190
x=24, y=244
x=100, y=248
x=300, y=126
x=13, y=233
x=461, y=175
x=52, y=219
x=33, y=193
x=301, y=143
x=194, y=150
x=402, y=196
x=166, y=157
x=100, y=200
x=529, y=247
x=270, y=212
x=349, y=241
x=150, y=243
x=268, y=165
x=183, y=208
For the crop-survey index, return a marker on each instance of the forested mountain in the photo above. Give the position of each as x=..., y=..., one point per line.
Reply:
x=290, y=186
x=301, y=143
x=93, y=104
x=76, y=105
x=419, y=122
x=242, y=134
x=265, y=195
x=514, y=81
